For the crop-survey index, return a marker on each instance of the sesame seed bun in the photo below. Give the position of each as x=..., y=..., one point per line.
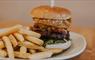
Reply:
x=51, y=12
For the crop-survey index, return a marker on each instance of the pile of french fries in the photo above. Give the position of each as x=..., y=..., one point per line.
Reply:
x=20, y=42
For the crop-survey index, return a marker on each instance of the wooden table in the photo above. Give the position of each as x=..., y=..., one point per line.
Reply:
x=88, y=32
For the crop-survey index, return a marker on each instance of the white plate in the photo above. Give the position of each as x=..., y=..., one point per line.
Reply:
x=77, y=47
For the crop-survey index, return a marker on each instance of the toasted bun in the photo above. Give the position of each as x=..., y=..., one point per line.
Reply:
x=51, y=12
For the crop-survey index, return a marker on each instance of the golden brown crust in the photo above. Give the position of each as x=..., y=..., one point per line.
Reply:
x=50, y=12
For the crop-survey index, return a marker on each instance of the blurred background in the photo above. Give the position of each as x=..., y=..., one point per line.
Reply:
x=18, y=11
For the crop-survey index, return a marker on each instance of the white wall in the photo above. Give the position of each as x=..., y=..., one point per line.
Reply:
x=83, y=11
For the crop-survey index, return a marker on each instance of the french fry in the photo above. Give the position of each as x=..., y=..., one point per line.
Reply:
x=21, y=55
x=30, y=33
x=28, y=28
x=3, y=53
x=13, y=40
x=25, y=27
x=34, y=40
x=33, y=46
x=55, y=50
x=32, y=51
x=1, y=44
x=9, y=47
x=19, y=37
x=10, y=30
x=41, y=55
x=23, y=49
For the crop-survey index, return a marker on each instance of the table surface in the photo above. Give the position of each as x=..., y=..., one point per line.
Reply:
x=87, y=32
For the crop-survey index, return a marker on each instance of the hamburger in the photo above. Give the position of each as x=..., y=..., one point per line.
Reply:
x=53, y=23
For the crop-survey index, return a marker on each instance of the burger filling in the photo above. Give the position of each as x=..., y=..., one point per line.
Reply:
x=52, y=30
